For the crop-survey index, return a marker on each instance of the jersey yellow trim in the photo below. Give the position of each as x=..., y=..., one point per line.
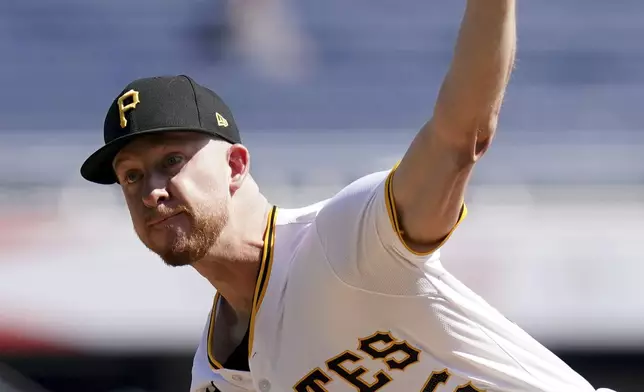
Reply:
x=393, y=217
x=214, y=364
x=264, y=274
x=258, y=296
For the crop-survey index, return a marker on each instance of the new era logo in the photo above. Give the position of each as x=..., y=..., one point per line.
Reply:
x=221, y=121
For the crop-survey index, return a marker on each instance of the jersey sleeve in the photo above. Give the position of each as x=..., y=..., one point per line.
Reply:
x=363, y=241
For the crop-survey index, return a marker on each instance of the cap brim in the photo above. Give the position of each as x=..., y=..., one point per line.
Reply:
x=98, y=167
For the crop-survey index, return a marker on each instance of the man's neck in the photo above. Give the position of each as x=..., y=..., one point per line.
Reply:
x=234, y=267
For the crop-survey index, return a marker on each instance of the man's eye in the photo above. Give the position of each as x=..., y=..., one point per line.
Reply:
x=132, y=177
x=172, y=160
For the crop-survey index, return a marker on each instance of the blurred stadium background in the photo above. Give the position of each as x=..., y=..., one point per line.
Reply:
x=324, y=92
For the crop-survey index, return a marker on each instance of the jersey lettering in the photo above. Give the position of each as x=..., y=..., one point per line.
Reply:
x=313, y=382
x=468, y=388
x=353, y=377
x=436, y=379
x=396, y=354
x=366, y=346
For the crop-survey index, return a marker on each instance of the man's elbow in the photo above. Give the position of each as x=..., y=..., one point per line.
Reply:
x=466, y=137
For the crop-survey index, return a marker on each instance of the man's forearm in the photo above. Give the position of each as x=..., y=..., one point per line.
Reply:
x=472, y=92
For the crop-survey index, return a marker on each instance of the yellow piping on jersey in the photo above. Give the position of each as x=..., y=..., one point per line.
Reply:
x=393, y=217
x=264, y=274
x=211, y=329
x=258, y=296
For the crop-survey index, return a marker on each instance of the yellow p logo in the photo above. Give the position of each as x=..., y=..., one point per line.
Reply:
x=126, y=108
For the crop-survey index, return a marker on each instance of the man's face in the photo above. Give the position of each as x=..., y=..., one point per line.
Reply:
x=176, y=186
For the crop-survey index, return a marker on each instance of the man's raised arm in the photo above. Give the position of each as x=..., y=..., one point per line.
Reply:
x=429, y=183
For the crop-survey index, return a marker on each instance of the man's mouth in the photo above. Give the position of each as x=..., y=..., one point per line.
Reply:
x=157, y=221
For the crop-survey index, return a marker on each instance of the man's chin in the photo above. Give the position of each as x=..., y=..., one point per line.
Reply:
x=177, y=259
x=175, y=262
x=179, y=256
x=181, y=250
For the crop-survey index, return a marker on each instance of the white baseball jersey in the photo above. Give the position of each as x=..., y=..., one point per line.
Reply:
x=342, y=304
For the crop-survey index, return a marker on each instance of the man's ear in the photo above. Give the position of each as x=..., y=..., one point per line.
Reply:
x=239, y=162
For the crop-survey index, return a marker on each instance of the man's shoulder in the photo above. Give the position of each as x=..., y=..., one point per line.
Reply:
x=363, y=185
x=301, y=215
x=293, y=226
x=331, y=219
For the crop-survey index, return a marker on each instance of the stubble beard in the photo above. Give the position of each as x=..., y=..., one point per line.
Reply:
x=190, y=247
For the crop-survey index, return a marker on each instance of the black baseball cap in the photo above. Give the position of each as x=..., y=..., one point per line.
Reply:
x=154, y=105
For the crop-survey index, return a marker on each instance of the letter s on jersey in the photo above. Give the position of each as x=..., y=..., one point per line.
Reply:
x=358, y=377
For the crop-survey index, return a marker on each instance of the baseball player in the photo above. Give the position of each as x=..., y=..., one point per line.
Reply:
x=349, y=293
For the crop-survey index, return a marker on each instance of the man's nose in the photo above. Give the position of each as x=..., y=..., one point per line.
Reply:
x=155, y=192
